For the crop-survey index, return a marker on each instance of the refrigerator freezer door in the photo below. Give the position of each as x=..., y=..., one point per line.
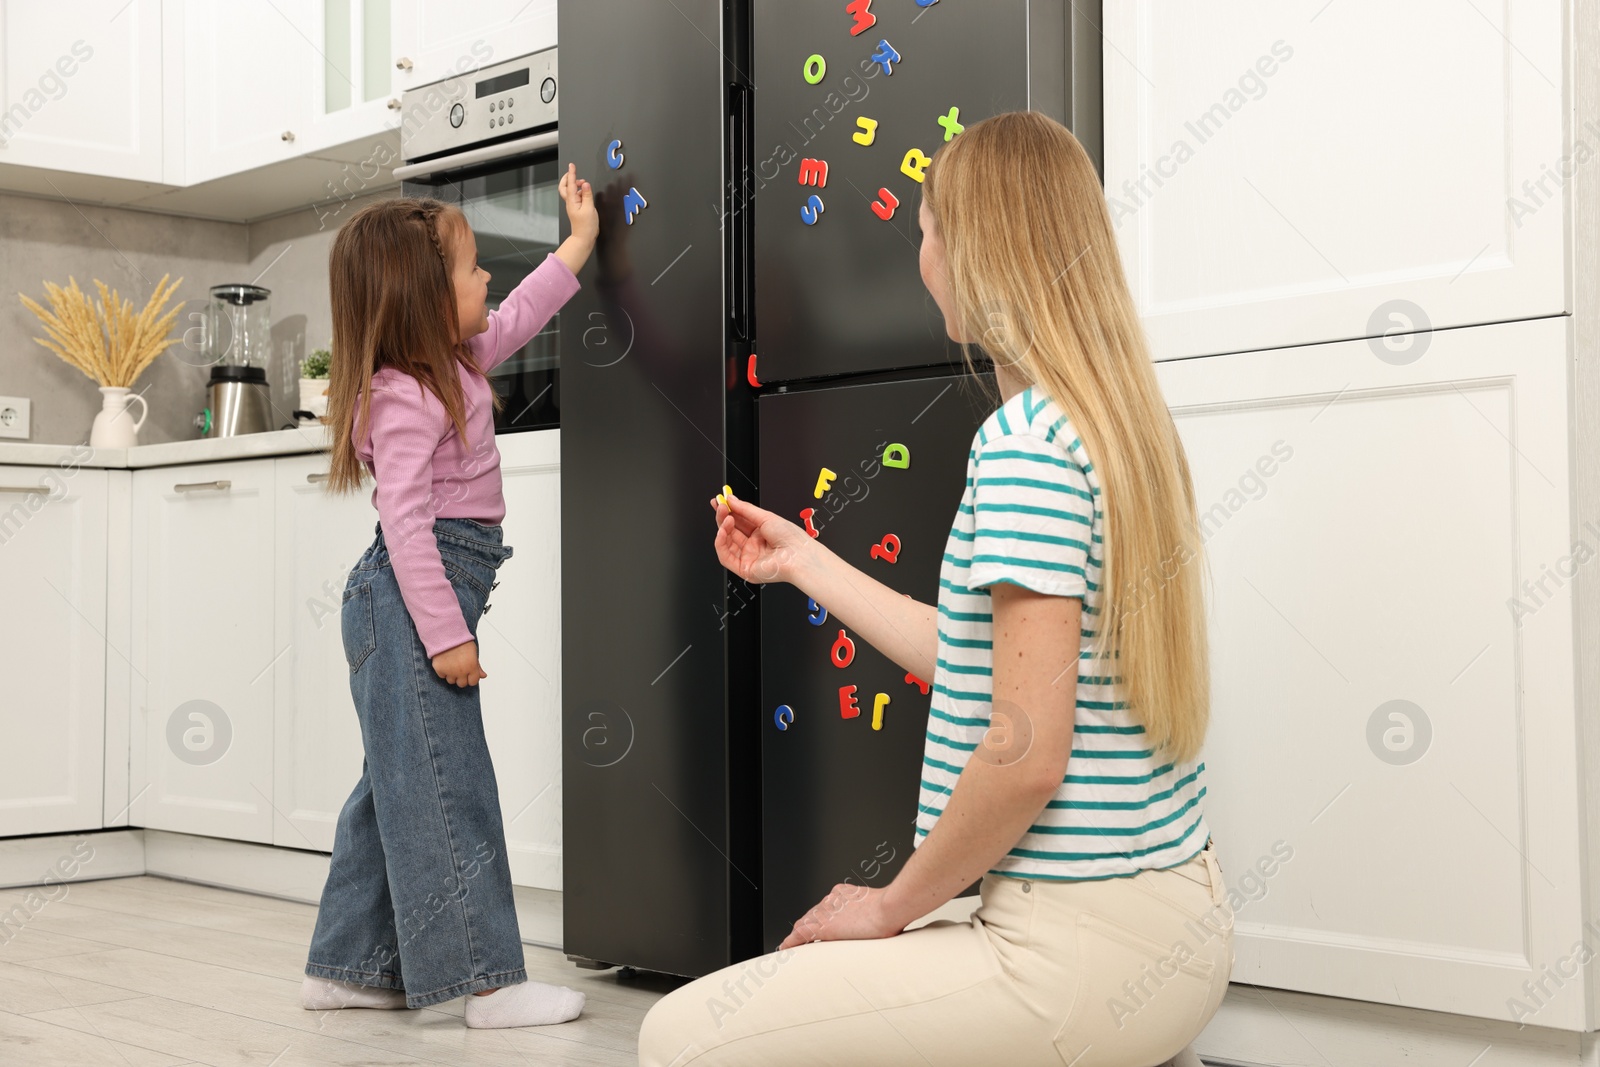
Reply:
x=644, y=377
x=839, y=797
x=837, y=284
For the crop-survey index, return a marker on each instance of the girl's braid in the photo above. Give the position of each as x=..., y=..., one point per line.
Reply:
x=430, y=218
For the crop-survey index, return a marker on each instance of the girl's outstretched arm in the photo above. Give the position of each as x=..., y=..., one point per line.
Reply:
x=760, y=546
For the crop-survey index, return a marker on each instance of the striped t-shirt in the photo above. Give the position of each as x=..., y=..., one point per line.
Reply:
x=1031, y=515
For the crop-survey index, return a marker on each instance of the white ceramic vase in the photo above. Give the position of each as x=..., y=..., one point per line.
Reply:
x=113, y=425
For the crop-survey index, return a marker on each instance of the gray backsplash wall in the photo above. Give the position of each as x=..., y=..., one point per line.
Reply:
x=130, y=251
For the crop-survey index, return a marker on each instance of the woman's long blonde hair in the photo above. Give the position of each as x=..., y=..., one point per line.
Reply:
x=1033, y=271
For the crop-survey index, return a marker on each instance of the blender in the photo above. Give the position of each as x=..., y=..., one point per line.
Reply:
x=238, y=338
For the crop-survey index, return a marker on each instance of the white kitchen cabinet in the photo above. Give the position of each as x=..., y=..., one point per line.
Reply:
x=436, y=39
x=82, y=93
x=203, y=649
x=519, y=644
x=1288, y=173
x=52, y=655
x=248, y=73
x=318, y=752
x=1391, y=557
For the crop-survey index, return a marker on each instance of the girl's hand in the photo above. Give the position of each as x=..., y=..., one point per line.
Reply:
x=755, y=544
x=459, y=665
x=578, y=195
x=849, y=913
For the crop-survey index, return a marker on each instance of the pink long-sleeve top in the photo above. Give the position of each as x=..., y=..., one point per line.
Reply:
x=424, y=470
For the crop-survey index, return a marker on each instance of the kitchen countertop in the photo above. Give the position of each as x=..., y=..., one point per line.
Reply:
x=202, y=450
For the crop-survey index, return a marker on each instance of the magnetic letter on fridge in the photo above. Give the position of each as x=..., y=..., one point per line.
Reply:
x=914, y=164
x=951, y=126
x=864, y=18
x=824, y=482
x=783, y=716
x=868, y=130
x=632, y=204
x=815, y=68
x=814, y=172
x=886, y=56
x=884, y=206
x=614, y=154
x=811, y=210
x=843, y=652
x=847, y=702
x=897, y=456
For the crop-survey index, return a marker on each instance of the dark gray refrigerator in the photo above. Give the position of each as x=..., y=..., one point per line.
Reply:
x=754, y=316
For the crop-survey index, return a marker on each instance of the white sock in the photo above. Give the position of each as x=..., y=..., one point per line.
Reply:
x=326, y=994
x=524, y=1004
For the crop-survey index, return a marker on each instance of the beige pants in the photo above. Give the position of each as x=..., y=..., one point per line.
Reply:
x=1123, y=972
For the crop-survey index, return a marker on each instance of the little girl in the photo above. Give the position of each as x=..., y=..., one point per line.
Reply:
x=418, y=905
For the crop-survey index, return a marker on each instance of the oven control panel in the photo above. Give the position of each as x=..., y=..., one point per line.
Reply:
x=490, y=104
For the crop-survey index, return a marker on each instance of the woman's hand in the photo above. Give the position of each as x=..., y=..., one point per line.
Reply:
x=757, y=545
x=459, y=665
x=849, y=913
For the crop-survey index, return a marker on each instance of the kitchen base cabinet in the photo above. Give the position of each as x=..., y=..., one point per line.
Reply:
x=519, y=644
x=317, y=747
x=1394, y=786
x=203, y=651
x=52, y=653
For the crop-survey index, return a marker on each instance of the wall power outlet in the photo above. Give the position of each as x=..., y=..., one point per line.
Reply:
x=14, y=416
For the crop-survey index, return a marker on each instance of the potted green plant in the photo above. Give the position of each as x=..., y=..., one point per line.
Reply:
x=314, y=382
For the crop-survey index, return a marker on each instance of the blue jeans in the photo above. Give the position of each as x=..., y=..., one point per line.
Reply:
x=418, y=895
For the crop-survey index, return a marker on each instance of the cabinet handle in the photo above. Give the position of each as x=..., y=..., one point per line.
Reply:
x=220, y=483
x=394, y=103
x=40, y=488
x=288, y=135
x=316, y=477
x=403, y=63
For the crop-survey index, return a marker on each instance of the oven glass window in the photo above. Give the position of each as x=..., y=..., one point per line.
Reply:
x=514, y=212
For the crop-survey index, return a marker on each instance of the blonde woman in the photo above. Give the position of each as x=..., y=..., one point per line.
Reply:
x=1070, y=602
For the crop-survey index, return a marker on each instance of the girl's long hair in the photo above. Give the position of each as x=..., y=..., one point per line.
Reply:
x=393, y=306
x=1034, y=272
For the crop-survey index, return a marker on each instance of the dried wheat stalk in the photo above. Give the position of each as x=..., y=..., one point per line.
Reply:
x=109, y=343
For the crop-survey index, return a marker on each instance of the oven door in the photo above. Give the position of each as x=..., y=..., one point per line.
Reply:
x=511, y=202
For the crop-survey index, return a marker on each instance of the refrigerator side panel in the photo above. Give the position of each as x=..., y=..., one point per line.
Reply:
x=644, y=380
x=838, y=290
x=839, y=796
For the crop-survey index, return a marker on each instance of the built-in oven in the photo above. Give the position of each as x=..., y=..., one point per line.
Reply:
x=485, y=141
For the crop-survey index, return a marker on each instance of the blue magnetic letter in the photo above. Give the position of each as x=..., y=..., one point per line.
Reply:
x=885, y=55
x=810, y=210
x=614, y=155
x=631, y=205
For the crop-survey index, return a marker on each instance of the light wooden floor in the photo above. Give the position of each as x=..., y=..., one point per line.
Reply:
x=152, y=972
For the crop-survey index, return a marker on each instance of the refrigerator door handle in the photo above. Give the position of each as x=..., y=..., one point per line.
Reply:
x=741, y=258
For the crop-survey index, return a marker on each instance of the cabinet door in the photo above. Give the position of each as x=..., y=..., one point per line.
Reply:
x=439, y=38
x=1284, y=174
x=519, y=641
x=52, y=656
x=248, y=73
x=203, y=652
x=1391, y=556
x=354, y=81
x=318, y=752
x=83, y=93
